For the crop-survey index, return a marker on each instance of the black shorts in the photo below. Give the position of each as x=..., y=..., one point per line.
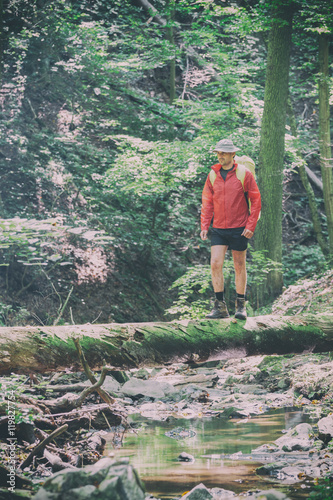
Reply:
x=231, y=237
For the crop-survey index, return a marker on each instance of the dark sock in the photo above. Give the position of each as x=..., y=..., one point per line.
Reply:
x=240, y=296
x=219, y=296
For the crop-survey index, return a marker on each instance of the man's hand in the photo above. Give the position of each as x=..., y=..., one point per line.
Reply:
x=203, y=234
x=247, y=233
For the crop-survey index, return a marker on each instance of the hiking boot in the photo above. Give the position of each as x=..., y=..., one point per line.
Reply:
x=219, y=310
x=240, y=309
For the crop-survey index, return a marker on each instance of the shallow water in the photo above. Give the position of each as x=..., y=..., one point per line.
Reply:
x=154, y=455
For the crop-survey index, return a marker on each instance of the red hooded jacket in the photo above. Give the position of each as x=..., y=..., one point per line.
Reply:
x=226, y=201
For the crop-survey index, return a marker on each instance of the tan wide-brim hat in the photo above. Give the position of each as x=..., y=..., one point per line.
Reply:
x=225, y=146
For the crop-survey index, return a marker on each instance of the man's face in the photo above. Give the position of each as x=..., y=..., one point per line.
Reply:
x=225, y=158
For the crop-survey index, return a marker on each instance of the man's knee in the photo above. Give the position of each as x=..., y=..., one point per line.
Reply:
x=216, y=264
x=240, y=267
x=239, y=261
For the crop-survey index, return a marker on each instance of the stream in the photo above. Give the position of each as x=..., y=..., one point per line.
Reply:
x=222, y=450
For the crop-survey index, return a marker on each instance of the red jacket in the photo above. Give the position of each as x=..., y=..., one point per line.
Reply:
x=227, y=203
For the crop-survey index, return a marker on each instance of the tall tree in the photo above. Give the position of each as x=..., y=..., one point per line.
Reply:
x=171, y=39
x=270, y=164
x=1, y=39
x=307, y=185
x=325, y=136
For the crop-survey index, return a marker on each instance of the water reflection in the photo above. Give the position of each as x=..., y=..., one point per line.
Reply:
x=154, y=454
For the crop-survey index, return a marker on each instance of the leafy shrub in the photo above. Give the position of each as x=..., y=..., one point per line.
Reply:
x=195, y=291
x=301, y=262
x=323, y=491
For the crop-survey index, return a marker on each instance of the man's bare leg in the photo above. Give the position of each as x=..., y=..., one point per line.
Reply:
x=220, y=309
x=240, y=270
x=216, y=263
x=239, y=258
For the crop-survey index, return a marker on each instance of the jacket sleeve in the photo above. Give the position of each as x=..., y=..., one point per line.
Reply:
x=252, y=190
x=207, y=207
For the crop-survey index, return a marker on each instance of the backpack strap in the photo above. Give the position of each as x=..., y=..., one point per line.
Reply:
x=240, y=174
x=212, y=176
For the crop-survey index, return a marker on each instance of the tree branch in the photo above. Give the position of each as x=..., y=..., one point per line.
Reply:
x=42, y=445
x=103, y=394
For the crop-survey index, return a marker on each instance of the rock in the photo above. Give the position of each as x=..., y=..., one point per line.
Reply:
x=185, y=457
x=250, y=389
x=180, y=433
x=6, y=494
x=270, y=495
x=291, y=474
x=284, y=383
x=96, y=442
x=111, y=384
x=137, y=387
x=25, y=431
x=271, y=469
x=155, y=411
x=106, y=418
x=120, y=376
x=325, y=428
x=142, y=373
x=299, y=438
x=7, y=475
x=266, y=448
x=221, y=494
x=107, y=479
x=233, y=412
x=313, y=380
x=201, y=378
x=200, y=492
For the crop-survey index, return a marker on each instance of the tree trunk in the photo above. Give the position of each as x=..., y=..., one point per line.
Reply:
x=1, y=41
x=307, y=186
x=325, y=137
x=36, y=349
x=171, y=39
x=270, y=164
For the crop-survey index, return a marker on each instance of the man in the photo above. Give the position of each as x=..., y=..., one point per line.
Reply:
x=227, y=200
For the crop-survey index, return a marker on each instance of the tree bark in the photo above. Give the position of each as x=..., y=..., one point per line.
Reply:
x=270, y=164
x=36, y=349
x=305, y=173
x=171, y=39
x=1, y=41
x=326, y=162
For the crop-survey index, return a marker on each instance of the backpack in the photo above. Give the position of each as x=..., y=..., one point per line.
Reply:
x=243, y=163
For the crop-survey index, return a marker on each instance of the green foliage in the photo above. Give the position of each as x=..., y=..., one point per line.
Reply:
x=301, y=262
x=10, y=314
x=5, y=310
x=322, y=491
x=194, y=287
x=259, y=268
x=193, y=284
x=88, y=137
x=35, y=252
x=11, y=388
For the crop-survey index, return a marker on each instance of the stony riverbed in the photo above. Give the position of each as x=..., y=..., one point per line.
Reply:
x=237, y=390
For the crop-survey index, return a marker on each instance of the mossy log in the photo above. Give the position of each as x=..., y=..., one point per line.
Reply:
x=42, y=349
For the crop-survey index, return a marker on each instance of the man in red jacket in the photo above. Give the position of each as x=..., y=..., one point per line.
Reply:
x=225, y=198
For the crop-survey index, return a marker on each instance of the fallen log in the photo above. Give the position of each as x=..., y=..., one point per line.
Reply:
x=44, y=349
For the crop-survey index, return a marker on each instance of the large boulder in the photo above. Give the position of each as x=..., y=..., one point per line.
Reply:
x=299, y=438
x=200, y=492
x=270, y=495
x=137, y=388
x=107, y=479
x=325, y=428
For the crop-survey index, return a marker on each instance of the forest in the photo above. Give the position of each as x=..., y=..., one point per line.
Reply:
x=109, y=114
